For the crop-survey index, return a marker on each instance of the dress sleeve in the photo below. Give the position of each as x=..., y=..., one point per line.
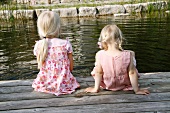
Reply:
x=35, y=48
x=69, y=47
x=98, y=58
x=126, y=59
x=134, y=61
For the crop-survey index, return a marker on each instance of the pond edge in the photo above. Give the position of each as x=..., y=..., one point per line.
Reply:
x=72, y=12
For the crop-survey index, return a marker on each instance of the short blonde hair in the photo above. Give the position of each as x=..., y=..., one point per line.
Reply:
x=110, y=34
x=48, y=24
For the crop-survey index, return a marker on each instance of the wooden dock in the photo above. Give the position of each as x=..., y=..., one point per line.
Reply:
x=17, y=96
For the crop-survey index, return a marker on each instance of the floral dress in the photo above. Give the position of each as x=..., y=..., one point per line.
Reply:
x=55, y=77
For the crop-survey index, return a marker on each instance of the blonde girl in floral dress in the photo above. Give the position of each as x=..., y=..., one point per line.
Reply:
x=115, y=68
x=54, y=57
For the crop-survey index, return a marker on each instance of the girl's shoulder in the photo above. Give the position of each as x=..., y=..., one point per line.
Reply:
x=58, y=41
x=100, y=52
x=37, y=43
x=129, y=52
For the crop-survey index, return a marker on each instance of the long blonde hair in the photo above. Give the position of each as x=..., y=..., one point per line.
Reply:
x=48, y=24
x=109, y=34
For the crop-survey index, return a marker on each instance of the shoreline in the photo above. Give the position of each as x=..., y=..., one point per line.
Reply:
x=86, y=11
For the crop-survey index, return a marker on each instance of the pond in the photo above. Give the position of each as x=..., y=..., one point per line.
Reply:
x=148, y=36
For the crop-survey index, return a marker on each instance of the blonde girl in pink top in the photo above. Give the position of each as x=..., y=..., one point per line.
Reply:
x=54, y=57
x=115, y=69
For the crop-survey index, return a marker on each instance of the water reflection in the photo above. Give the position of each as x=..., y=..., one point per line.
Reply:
x=147, y=36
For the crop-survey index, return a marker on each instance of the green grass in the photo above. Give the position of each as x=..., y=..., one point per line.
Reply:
x=168, y=6
x=8, y=5
x=12, y=5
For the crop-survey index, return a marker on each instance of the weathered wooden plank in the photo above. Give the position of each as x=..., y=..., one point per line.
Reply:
x=20, y=89
x=79, y=93
x=12, y=83
x=16, y=89
x=102, y=108
x=85, y=100
x=17, y=96
x=87, y=81
x=143, y=83
x=157, y=75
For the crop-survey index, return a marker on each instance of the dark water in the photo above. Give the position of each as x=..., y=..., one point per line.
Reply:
x=148, y=36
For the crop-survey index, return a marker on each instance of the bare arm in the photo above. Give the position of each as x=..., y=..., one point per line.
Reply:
x=133, y=75
x=97, y=77
x=70, y=56
x=134, y=78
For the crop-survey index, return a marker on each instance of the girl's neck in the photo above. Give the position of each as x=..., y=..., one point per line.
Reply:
x=113, y=51
x=112, y=48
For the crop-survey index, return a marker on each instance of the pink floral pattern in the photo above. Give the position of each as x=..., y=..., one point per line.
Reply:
x=55, y=76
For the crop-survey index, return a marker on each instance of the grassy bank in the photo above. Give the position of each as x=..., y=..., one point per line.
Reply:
x=10, y=5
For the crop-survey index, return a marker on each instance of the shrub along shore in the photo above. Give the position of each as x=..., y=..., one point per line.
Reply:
x=86, y=11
